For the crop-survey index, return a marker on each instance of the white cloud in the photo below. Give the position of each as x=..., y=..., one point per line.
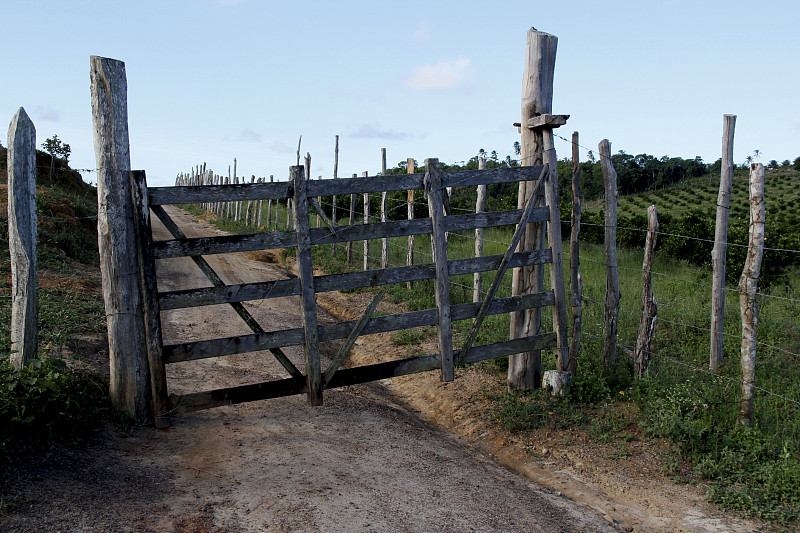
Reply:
x=372, y=131
x=281, y=148
x=442, y=75
x=46, y=114
x=246, y=135
x=421, y=34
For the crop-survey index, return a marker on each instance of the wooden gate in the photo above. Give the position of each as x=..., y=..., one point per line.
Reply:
x=313, y=379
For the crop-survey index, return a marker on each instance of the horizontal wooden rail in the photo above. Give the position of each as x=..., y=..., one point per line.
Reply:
x=359, y=232
x=336, y=282
x=369, y=184
x=175, y=353
x=187, y=403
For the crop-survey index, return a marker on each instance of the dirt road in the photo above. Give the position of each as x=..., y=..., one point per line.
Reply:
x=360, y=463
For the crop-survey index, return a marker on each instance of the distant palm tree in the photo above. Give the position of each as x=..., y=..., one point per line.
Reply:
x=756, y=153
x=591, y=156
x=517, y=148
x=748, y=160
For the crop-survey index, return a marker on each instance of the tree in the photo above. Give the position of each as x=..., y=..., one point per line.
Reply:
x=748, y=160
x=517, y=148
x=756, y=154
x=796, y=164
x=773, y=164
x=56, y=148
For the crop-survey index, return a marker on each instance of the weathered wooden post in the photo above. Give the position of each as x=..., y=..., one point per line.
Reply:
x=721, y=244
x=524, y=369
x=641, y=352
x=748, y=287
x=269, y=205
x=434, y=192
x=384, y=208
x=352, y=221
x=480, y=205
x=410, y=255
x=21, y=159
x=305, y=273
x=612, y=273
x=366, y=221
x=333, y=199
x=122, y=292
x=576, y=280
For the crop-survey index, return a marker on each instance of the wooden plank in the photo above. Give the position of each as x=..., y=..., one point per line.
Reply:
x=175, y=353
x=612, y=272
x=384, y=211
x=721, y=244
x=641, y=352
x=410, y=205
x=122, y=292
x=576, y=280
x=501, y=270
x=433, y=190
x=351, y=338
x=217, y=193
x=547, y=121
x=22, y=226
x=159, y=402
x=196, y=401
x=209, y=272
x=284, y=239
x=334, y=282
x=305, y=273
x=559, y=308
x=748, y=287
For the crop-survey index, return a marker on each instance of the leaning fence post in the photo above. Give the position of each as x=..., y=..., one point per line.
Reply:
x=576, y=280
x=433, y=190
x=21, y=158
x=720, y=244
x=748, y=287
x=612, y=273
x=334, y=198
x=641, y=353
x=129, y=375
x=305, y=273
x=480, y=205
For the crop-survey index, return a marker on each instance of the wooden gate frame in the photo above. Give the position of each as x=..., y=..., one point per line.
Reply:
x=303, y=192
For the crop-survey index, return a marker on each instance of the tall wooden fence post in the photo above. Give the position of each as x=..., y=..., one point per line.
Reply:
x=748, y=287
x=576, y=280
x=366, y=221
x=525, y=369
x=384, y=207
x=122, y=292
x=334, y=198
x=480, y=206
x=641, y=353
x=721, y=244
x=21, y=158
x=410, y=255
x=352, y=220
x=612, y=272
x=434, y=192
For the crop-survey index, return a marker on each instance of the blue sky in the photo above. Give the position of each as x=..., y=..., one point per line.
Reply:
x=210, y=80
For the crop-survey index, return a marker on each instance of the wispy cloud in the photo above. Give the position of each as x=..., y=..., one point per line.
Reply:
x=373, y=131
x=422, y=34
x=281, y=148
x=246, y=135
x=442, y=75
x=46, y=114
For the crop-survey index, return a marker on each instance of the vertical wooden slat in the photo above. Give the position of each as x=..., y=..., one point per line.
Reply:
x=122, y=292
x=612, y=272
x=720, y=244
x=559, y=307
x=22, y=221
x=384, y=207
x=433, y=190
x=305, y=272
x=352, y=221
x=480, y=206
x=410, y=255
x=748, y=287
x=159, y=402
x=641, y=352
x=366, y=221
x=333, y=199
x=576, y=280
